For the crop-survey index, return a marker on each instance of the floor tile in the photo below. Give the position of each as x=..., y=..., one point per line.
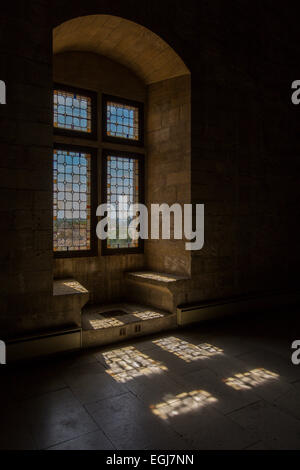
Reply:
x=130, y=424
x=275, y=428
x=207, y=429
x=93, y=384
x=35, y=381
x=91, y=441
x=154, y=387
x=290, y=402
x=56, y=417
x=15, y=429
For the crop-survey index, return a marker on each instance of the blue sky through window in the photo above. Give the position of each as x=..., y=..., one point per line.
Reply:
x=122, y=121
x=72, y=111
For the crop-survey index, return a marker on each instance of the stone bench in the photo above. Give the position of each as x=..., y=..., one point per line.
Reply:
x=161, y=290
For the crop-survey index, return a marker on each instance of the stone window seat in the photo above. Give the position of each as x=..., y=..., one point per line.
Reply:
x=69, y=296
x=156, y=278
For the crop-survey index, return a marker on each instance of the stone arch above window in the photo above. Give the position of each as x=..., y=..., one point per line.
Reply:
x=145, y=53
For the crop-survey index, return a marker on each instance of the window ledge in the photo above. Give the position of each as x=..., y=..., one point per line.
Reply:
x=68, y=287
x=151, y=277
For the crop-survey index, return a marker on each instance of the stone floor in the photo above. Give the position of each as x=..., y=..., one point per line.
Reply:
x=224, y=385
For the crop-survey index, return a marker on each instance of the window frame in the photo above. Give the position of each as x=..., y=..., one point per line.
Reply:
x=122, y=154
x=120, y=140
x=93, y=135
x=93, y=251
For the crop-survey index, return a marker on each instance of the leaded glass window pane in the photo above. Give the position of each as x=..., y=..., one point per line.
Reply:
x=122, y=121
x=123, y=189
x=72, y=200
x=72, y=111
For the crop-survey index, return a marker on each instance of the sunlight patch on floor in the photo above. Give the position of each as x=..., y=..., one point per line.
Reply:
x=182, y=403
x=250, y=379
x=188, y=352
x=128, y=363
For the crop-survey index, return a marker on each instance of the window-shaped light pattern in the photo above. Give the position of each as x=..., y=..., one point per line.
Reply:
x=122, y=191
x=122, y=121
x=188, y=352
x=182, y=403
x=250, y=379
x=72, y=111
x=72, y=200
x=127, y=363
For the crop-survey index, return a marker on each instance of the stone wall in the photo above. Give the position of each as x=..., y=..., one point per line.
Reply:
x=168, y=166
x=244, y=147
x=25, y=169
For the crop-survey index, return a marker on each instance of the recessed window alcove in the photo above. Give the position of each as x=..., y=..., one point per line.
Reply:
x=123, y=69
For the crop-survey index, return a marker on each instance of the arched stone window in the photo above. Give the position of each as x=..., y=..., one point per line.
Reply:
x=137, y=91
